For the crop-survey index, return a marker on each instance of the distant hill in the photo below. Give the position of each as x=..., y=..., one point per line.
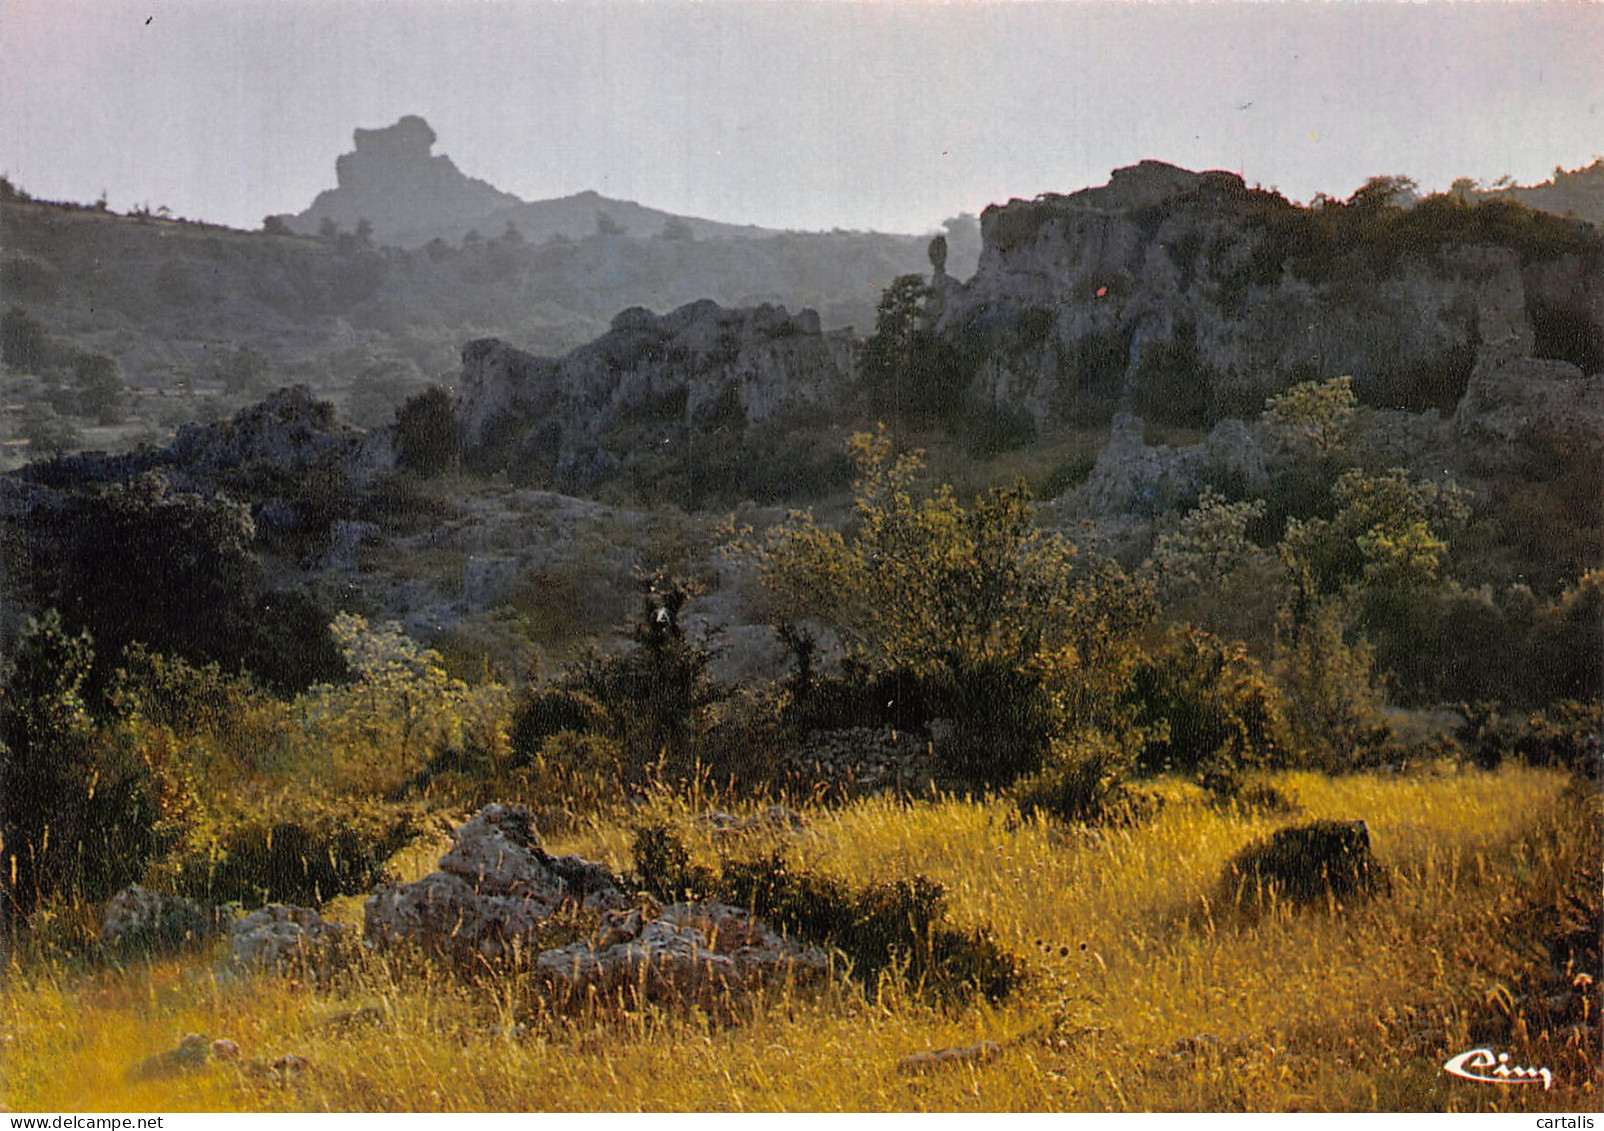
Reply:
x=410, y=196
x=1577, y=194
x=200, y=319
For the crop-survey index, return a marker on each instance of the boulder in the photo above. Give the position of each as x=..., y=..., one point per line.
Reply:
x=137, y=918
x=494, y=889
x=684, y=952
x=280, y=936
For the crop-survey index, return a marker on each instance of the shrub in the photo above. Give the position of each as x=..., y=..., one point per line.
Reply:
x=1085, y=779
x=427, y=433
x=980, y=607
x=296, y=849
x=1305, y=864
x=79, y=814
x=657, y=695
x=549, y=711
x=1208, y=709
x=1333, y=694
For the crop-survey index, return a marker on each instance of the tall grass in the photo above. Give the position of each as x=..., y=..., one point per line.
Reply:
x=1146, y=992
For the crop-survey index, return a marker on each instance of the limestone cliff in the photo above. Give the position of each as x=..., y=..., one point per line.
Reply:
x=700, y=370
x=1190, y=296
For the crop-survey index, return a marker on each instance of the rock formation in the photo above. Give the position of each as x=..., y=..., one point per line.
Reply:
x=700, y=369
x=411, y=195
x=392, y=180
x=137, y=918
x=1183, y=288
x=702, y=953
x=494, y=890
x=280, y=936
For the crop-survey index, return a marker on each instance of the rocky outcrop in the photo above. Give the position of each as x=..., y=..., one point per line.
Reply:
x=410, y=195
x=1132, y=476
x=288, y=430
x=700, y=370
x=493, y=891
x=392, y=180
x=706, y=953
x=1179, y=288
x=1510, y=396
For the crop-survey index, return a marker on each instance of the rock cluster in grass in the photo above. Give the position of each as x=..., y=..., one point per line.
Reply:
x=704, y=952
x=860, y=760
x=493, y=892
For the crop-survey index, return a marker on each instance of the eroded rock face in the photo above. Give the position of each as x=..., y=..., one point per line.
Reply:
x=1511, y=396
x=137, y=918
x=700, y=369
x=493, y=891
x=1166, y=275
x=685, y=952
x=281, y=936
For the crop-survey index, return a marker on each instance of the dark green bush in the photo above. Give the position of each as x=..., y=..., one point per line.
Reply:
x=657, y=695
x=1305, y=864
x=548, y=711
x=1208, y=709
x=1085, y=779
x=79, y=813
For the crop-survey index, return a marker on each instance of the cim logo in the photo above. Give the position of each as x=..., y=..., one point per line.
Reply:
x=1486, y=1067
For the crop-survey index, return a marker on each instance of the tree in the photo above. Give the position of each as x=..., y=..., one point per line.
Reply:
x=48, y=434
x=24, y=345
x=607, y=226
x=907, y=369
x=143, y=562
x=364, y=233
x=328, y=230
x=1314, y=417
x=1386, y=543
x=76, y=819
x=979, y=605
x=100, y=386
x=276, y=226
x=427, y=433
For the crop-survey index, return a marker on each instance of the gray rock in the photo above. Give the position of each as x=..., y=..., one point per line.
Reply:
x=685, y=952
x=280, y=936
x=137, y=918
x=494, y=889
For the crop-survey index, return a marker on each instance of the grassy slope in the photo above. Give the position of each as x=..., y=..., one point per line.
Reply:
x=1312, y=1011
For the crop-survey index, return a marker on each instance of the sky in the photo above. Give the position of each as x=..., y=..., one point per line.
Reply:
x=858, y=114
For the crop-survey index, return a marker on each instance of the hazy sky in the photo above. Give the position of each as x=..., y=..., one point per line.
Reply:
x=838, y=113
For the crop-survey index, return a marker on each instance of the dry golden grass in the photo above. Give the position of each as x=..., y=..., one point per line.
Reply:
x=1352, y=1009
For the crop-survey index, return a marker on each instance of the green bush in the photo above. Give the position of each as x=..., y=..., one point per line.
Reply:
x=549, y=711
x=658, y=695
x=1208, y=709
x=1085, y=779
x=1305, y=864
x=296, y=849
x=80, y=814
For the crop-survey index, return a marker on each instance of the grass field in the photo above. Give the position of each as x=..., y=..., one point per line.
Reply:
x=1144, y=992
